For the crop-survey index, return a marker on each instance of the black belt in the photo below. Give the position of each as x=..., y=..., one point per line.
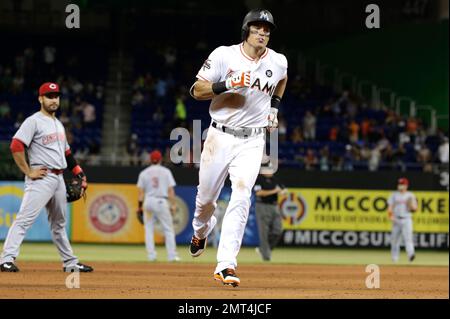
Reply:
x=243, y=132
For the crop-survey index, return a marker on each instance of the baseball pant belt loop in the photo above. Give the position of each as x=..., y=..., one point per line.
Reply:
x=242, y=132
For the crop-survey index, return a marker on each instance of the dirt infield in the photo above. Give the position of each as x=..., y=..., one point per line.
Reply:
x=194, y=281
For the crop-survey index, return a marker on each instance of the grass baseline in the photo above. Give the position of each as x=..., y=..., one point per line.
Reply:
x=46, y=252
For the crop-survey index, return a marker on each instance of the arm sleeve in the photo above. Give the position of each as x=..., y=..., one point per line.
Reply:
x=212, y=68
x=26, y=131
x=390, y=200
x=140, y=182
x=171, y=180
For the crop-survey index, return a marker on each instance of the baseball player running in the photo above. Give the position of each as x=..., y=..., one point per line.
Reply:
x=49, y=155
x=401, y=204
x=245, y=83
x=156, y=190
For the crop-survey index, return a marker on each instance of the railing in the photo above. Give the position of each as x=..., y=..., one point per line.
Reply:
x=376, y=95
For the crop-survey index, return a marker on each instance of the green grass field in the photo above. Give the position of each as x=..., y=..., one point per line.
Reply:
x=137, y=253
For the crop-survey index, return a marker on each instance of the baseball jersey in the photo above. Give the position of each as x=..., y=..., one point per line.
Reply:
x=155, y=180
x=398, y=201
x=251, y=108
x=45, y=139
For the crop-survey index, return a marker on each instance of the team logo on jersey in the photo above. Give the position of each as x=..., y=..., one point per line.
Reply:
x=108, y=213
x=293, y=209
x=264, y=15
x=206, y=65
x=266, y=88
x=269, y=73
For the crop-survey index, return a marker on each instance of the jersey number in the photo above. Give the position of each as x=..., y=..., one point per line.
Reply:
x=155, y=182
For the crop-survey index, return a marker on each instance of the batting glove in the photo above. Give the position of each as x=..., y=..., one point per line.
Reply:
x=238, y=80
x=273, y=120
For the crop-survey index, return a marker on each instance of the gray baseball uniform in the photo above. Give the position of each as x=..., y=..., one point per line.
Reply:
x=402, y=226
x=46, y=144
x=155, y=182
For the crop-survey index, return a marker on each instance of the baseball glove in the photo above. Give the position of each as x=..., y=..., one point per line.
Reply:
x=74, y=189
x=140, y=216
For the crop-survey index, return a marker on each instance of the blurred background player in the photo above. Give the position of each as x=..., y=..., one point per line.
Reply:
x=401, y=204
x=49, y=154
x=268, y=216
x=245, y=82
x=157, y=200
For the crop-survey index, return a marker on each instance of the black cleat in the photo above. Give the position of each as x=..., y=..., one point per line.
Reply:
x=197, y=246
x=411, y=258
x=9, y=267
x=79, y=268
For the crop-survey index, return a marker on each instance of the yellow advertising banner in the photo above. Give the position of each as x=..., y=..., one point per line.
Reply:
x=108, y=216
x=359, y=210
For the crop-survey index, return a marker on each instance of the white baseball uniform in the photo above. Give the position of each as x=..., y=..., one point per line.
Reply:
x=235, y=143
x=46, y=143
x=155, y=181
x=402, y=226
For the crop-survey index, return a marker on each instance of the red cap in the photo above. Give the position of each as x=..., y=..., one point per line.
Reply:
x=155, y=156
x=48, y=87
x=403, y=181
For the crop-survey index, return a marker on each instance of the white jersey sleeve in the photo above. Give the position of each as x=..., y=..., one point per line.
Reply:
x=390, y=200
x=26, y=131
x=212, y=68
x=171, y=180
x=140, y=182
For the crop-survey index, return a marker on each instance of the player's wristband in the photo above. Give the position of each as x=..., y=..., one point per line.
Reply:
x=275, y=102
x=77, y=171
x=219, y=87
x=140, y=204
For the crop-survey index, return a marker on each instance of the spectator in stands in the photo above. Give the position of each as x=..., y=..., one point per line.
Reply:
x=89, y=115
x=347, y=160
x=5, y=110
x=309, y=126
x=424, y=157
x=375, y=158
x=443, y=151
x=158, y=116
x=160, y=89
x=180, y=111
x=334, y=132
x=310, y=160
x=282, y=128
x=353, y=131
x=411, y=128
x=324, y=159
x=138, y=99
x=365, y=128
x=134, y=150
x=49, y=54
x=296, y=135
